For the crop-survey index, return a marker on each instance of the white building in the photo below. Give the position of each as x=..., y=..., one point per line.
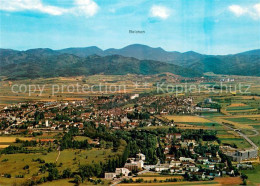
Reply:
x=110, y=175
x=186, y=159
x=123, y=171
x=134, y=96
x=161, y=167
x=46, y=123
x=119, y=171
x=140, y=156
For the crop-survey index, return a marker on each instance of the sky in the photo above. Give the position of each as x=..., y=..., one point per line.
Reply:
x=204, y=26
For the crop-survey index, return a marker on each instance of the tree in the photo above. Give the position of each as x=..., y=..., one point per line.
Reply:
x=53, y=173
x=77, y=179
x=244, y=182
x=67, y=173
x=243, y=176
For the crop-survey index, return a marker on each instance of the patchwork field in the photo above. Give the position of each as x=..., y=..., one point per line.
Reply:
x=65, y=88
x=243, y=120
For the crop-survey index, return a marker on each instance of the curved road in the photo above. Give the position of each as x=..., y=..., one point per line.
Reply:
x=240, y=133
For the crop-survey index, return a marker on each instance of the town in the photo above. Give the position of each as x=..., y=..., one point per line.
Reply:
x=136, y=128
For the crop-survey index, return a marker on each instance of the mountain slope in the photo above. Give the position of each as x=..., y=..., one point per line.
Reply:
x=48, y=63
x=144, y=52
x=245, y=63
x=83, y=52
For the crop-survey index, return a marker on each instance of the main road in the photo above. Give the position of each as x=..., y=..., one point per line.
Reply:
x=239, y=133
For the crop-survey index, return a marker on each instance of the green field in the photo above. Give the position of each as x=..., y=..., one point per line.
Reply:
x=239, y=108
x=14, y=163
x=253, y=175
x=243, y=120
x=239, y=142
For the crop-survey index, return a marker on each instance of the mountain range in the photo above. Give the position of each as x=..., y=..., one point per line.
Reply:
x=135, y=59
x=36, y=63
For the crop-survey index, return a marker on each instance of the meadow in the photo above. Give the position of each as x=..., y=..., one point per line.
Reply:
x=253, y=175
x=69, y=158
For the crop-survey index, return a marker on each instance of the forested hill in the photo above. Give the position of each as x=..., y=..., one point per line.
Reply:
x=245, y=63
x=139, y=59
x=37, y=63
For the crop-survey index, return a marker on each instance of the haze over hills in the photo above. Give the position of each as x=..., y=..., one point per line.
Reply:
x=138, y=59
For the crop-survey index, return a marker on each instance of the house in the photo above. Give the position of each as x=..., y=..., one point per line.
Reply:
x=118, y=172
x=216, y=159
x=211, y=167
x=134, y=96
x=184, y=159
x=176, y=170
x=208, y=154
x=198, y=174
x=194, y=169
x=244, y=166
x=173, y=135
x=125, y=120
x=215, y=174
x=175, y=163
x=169, y=157
x=161, y=167
x=203, y=159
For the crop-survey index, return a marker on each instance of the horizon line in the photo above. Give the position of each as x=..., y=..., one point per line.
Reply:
x=24, y=50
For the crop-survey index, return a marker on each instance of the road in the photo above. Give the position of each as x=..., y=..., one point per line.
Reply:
x=248, y=140
x=240, y=133
x=252, y=135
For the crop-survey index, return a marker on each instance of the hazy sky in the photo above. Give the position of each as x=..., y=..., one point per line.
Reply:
x=205, y=26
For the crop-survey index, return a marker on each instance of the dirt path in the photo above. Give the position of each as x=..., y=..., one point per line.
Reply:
x=58, y=154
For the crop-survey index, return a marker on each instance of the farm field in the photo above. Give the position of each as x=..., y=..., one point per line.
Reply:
x=50, y=85
x=239, y=108
x=12, y=139
x=243, y=120
x=225, y=135
x=6, y=141
x=188, y=119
